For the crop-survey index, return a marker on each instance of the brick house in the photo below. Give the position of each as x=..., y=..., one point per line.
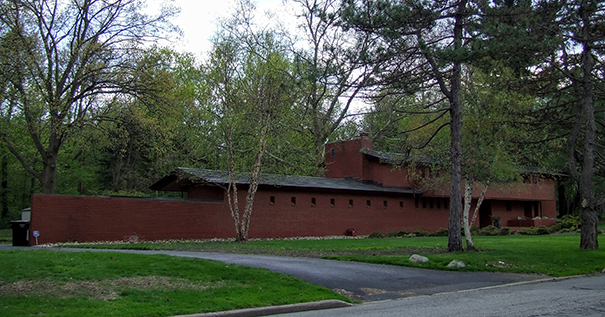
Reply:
x=362, y=192
x=529, y=203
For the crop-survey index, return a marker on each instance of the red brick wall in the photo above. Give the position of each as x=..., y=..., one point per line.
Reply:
x=79, y=218
x=283, y=219
x=544, y=190
x=388, y=175
x=348, y=161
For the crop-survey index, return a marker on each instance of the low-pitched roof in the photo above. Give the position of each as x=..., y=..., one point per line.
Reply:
x=399, y=159
x=182, y=178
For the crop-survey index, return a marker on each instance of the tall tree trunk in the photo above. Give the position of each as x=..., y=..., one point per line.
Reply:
x=454, y=234
x=588, y=237
x=49, y=173
x=468, y=199
x=4, y=189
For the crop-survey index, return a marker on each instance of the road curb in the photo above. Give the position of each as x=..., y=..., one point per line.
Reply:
x=544, y=280
x=274, y=310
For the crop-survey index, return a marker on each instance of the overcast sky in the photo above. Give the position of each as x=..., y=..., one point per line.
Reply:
x=198, y=20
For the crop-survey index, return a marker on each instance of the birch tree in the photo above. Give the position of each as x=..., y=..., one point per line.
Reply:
x=249, y=93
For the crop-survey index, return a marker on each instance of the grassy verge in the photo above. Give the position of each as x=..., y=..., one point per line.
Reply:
x=298, y=247
x=554, y=255
x=55, y=283
x=6, y=235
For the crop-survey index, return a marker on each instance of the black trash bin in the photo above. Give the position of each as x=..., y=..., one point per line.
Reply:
x=20, y=233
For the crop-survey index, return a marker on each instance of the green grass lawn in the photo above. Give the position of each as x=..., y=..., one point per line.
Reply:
x=52, y=283
x=554, y=255
x=42, y=282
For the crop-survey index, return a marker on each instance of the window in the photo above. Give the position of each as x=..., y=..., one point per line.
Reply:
x=416, y=201
x=509, y=205
x=446, y=203
x=537, y=209
x=438, y=203
x=431, y=202
x=423, y=202
x=313, y=201
x=350, y=202
x=293, y=201
x=332, y=152
x=272, y=200
x=368, y=203
x=401, y=204
x=332, y=202
x=384, y=204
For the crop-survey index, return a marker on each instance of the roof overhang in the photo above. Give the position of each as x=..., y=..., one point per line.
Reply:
x=183, y=178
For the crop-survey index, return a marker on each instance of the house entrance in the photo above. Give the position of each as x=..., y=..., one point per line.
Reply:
x=485, y=214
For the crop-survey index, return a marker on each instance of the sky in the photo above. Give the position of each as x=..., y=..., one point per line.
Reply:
x=198, y=20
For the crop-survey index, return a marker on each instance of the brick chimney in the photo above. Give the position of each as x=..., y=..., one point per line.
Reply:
x=344, y=158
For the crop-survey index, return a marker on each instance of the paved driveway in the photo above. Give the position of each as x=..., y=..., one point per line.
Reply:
x=367, y=282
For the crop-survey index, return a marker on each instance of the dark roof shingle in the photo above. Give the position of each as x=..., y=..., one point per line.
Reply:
x=182, y=177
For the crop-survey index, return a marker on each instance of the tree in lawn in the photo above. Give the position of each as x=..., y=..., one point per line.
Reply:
x=423, y=47
x=579, y=91
x=565, y=69
x=74, y=55
x=248, y=93
x=491, y=155
x=586, y=75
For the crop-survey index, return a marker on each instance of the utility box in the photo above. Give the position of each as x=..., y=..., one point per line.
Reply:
x=26, y=214
x=20, y=233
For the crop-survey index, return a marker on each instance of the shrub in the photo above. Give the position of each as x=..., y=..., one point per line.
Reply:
x=376, y=235
x=504, y=232
x=421, y=233
x=570, y=221
x=398, y=234
x=440, y=233
x=543, y=230
x=556, y=227
x=488, y=231
x=529, y=231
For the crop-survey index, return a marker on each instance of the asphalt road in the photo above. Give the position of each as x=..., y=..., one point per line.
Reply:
x=366, y=282
x=581, y=296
